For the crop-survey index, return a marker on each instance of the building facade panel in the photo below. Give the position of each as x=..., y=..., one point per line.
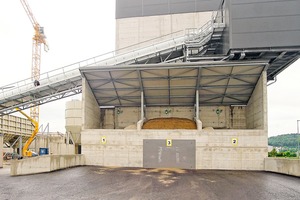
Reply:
x=262, y=24
x=140, y=8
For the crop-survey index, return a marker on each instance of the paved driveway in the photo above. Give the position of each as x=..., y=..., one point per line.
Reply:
x=131, y=183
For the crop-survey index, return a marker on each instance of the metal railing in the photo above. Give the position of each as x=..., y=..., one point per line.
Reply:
x=72, y=70
x=91, y=61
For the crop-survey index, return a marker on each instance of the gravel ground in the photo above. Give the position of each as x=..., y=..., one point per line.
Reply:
x=93, y=182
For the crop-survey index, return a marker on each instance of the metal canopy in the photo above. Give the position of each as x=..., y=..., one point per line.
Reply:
x=174, y=84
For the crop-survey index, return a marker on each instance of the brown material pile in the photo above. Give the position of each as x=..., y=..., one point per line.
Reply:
x=170, y=123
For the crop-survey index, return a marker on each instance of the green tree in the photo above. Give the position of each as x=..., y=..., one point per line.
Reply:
x=273, y=153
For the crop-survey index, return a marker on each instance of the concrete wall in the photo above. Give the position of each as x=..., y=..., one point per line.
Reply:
x=134, y=30
x=214, y=149
x=43, y=164
x=283, y=166
x=228, y=118
x=256, y=110
x=90, y=108
x=1, y=151
x=56, y=144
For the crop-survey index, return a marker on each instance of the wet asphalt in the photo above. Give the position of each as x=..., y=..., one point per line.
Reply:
x=92, y=182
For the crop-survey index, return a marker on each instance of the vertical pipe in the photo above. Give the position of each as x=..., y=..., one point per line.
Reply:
x=197, y=104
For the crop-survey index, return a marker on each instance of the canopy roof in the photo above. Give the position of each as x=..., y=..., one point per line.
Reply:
x=174, y=84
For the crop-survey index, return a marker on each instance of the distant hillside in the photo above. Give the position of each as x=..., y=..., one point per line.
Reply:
x=286, y=140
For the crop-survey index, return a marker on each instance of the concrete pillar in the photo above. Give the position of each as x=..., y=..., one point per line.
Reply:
x=197, y=120
x=141, y=122
x=1, y=151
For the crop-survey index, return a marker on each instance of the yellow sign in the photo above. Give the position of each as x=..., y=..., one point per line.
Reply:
x=234, y=141
x=169, y=143
x=103, y=140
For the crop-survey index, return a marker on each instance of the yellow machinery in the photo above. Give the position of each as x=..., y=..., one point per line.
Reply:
x=25, y=151
x=38, y=39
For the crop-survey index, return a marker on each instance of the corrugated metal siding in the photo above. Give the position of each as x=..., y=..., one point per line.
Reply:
x=139, y=8
x=264, y=23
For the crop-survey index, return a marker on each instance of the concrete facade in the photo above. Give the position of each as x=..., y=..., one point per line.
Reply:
x=256, y=110
x=136, y=30
x=44, y=164
x=240, y=143
x=283, y=166
x=90, y=108
x=214, y=149
x=1, y=151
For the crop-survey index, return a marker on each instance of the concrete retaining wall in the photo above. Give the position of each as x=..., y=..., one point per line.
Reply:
x=214, y=150
x=43, y=164
x=283, y=166
x=90, y=108
x=256, y=110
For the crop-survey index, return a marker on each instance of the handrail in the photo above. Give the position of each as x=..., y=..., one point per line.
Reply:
x=72, y=69
x=89, y=61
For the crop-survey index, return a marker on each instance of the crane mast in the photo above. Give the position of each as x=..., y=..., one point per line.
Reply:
x=38, y=39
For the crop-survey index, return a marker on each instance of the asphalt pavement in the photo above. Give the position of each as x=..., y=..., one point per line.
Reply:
x=93, y=182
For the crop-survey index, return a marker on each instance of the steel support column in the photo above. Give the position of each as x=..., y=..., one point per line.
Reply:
x=197, y=104
x=142, y=106
x=20, y=146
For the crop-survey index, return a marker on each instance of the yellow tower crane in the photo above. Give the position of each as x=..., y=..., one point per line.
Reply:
x=38, y=39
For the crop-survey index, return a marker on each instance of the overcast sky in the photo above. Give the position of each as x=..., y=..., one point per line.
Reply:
x=80, y=29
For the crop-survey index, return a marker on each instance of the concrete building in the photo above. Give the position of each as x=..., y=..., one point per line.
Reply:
x=218, y=77
x=207, y=61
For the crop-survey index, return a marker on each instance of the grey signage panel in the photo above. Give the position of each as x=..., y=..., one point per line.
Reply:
x=179, y=154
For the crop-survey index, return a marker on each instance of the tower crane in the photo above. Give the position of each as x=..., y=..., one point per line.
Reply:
x=38, y=39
